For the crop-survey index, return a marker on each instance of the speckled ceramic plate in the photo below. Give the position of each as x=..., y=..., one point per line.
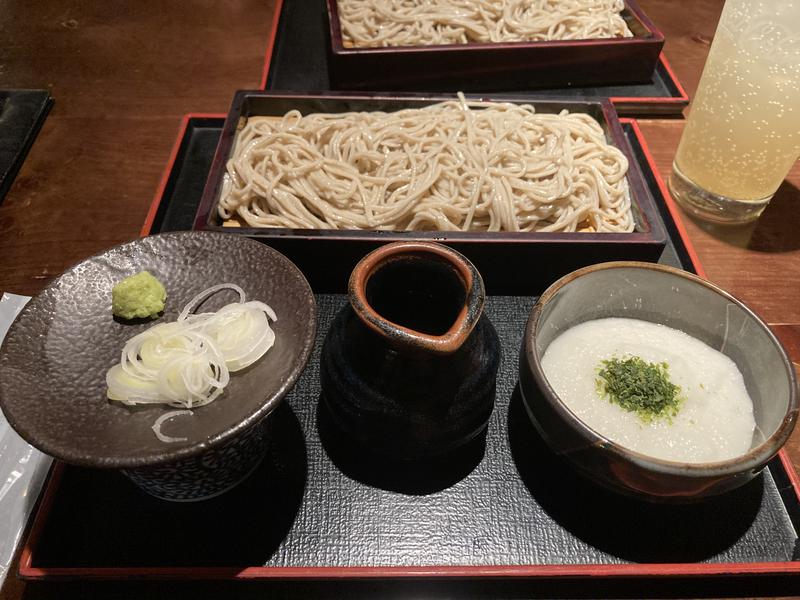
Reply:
x=56, y=354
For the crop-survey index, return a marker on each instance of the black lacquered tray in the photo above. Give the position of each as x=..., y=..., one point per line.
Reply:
x=298, y=59
x=504, y=517
x=22, y=113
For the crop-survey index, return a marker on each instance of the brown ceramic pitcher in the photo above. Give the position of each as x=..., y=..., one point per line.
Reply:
x=408, y=367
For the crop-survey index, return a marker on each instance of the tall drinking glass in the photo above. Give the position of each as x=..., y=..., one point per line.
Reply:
x=743, y=132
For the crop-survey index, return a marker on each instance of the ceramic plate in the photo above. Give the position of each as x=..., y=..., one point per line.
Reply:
x=56, y=354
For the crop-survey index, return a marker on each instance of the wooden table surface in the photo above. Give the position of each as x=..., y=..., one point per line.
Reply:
x=123, y=73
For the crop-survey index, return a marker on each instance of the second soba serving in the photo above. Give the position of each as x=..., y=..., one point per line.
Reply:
x=370, y=23
x=451, y=166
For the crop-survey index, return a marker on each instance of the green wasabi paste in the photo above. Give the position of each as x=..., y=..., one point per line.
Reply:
x=138, y=297
x=640, y=387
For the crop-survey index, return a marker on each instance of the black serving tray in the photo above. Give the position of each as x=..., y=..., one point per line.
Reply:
x=485, y=522
x=298, y=58
x=22, y=113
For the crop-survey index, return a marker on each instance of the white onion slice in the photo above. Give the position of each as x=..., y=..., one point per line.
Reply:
x=187, y=363
x=164, y=418
x=241, y=332
x=130, y=390
x=192, y=305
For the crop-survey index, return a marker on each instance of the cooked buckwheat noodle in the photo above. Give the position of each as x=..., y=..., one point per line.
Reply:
x=451, y=166
x=370, y=23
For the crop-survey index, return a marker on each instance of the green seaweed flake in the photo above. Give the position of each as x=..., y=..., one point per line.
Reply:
x=640, y=387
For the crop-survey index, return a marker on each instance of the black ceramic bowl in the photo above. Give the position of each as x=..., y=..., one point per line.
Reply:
x=682, y=301
x=56, y=354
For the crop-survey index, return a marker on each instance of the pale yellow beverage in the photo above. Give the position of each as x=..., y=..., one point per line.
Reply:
x=743, y=133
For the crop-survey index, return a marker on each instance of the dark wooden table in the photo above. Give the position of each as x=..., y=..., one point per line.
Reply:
x=123, y=73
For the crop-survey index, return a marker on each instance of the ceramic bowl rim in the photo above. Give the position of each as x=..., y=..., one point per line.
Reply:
x=469, y=277
x=752, y=459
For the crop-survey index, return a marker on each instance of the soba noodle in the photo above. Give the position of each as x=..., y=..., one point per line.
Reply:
x=370, y=23
x=450, y=166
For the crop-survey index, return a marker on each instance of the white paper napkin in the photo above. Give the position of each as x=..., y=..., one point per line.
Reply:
x=23, y=469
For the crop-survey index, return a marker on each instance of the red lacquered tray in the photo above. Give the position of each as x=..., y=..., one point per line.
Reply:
x=514, y=519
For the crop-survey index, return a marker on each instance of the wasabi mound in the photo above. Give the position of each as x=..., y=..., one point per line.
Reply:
x=139, y=296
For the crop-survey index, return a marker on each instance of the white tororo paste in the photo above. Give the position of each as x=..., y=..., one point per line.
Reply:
x=715, y=421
